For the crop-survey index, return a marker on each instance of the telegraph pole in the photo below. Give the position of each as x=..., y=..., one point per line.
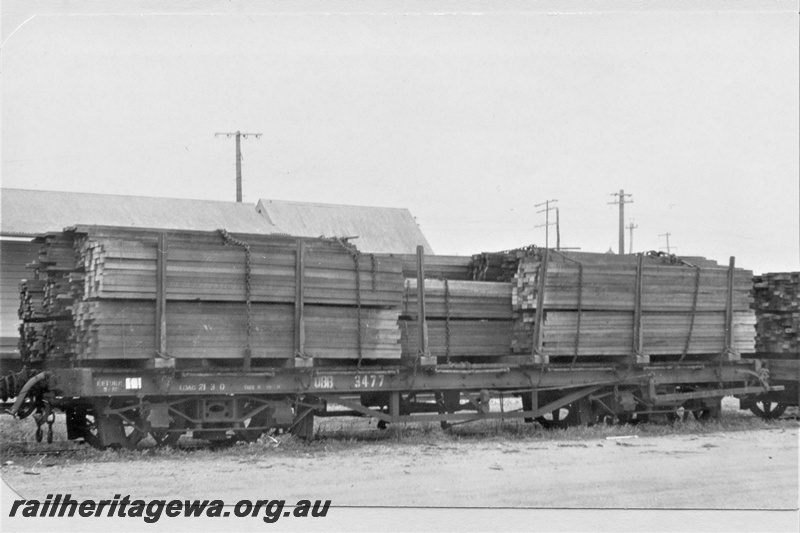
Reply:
x=667, y=236
x=546, y=224
x=558, y=231
x=621, y=201
x=631, y=227
x=238, y=135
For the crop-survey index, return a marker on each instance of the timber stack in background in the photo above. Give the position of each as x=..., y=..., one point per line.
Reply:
x=777, y=304
x=14, y=255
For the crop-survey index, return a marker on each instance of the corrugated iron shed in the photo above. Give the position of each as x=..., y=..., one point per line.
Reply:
x=379, y=229
x=27, y=212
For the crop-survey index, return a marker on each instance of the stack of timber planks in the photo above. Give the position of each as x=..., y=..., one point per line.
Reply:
x=31, y=300
x=589, y=307
x=497, y=266
x=118, y=269
x=480, y=300
x=664, y=334
x=465, y=319
x=590, y=303
x=467, y=339
x=97, y=294
x=45, y=297
x=666, y=289
x=218, y=330
x=99, y=298
x=15, y=255
x=451, y=267
x=777, y=305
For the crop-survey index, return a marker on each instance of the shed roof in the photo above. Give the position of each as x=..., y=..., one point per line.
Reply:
x=26, y=212
x=379, y=229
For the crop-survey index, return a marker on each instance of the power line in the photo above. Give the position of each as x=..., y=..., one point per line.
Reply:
x=631, y=227
x=558, y=231
x=547, y=223
x=669, y=250
x=621, y=201
x=239, y=135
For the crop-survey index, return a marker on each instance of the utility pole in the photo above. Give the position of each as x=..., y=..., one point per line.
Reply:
x=669, y=250
x=546, y=224
x=631, y=227
x=239, y=135
x=621, y=201
x=558, y=231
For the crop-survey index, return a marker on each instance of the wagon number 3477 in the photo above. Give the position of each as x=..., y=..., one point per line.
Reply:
x=368, y=381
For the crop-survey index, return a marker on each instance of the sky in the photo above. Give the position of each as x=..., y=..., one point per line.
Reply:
x=469, y=114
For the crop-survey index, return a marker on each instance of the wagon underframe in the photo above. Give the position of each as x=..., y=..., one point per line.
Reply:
x=111, y=407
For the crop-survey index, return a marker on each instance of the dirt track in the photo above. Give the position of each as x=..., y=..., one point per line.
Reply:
x=735, y=470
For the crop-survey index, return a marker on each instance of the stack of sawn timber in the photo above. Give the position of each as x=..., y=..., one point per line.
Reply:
x=14, y=256
x=105, y=281
x=496, y=266
x=588, y=306
x=465, y=319
x=777, y=305
x=45, y=298
x=450, y=267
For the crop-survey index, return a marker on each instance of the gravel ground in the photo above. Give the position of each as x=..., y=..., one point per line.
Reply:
x=734, y=470
x=753, y=466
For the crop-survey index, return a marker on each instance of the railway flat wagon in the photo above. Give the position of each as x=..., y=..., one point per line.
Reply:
x=228, y=335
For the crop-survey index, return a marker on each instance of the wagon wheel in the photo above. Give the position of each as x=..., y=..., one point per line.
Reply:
x=578, y=413
x=130, y=430
x=79, y=426
x=260, y=419
x=130, y=435
x=447, y=402
x=527, y=405
x=633, y=418
x=680, y=414
x=557, y=419
x=703, y=414
x=768, y=410
x=115, y=433
x=171, y=435
x=89, y=434
x=132, y=438
x=706, y=412
x=166, y=437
